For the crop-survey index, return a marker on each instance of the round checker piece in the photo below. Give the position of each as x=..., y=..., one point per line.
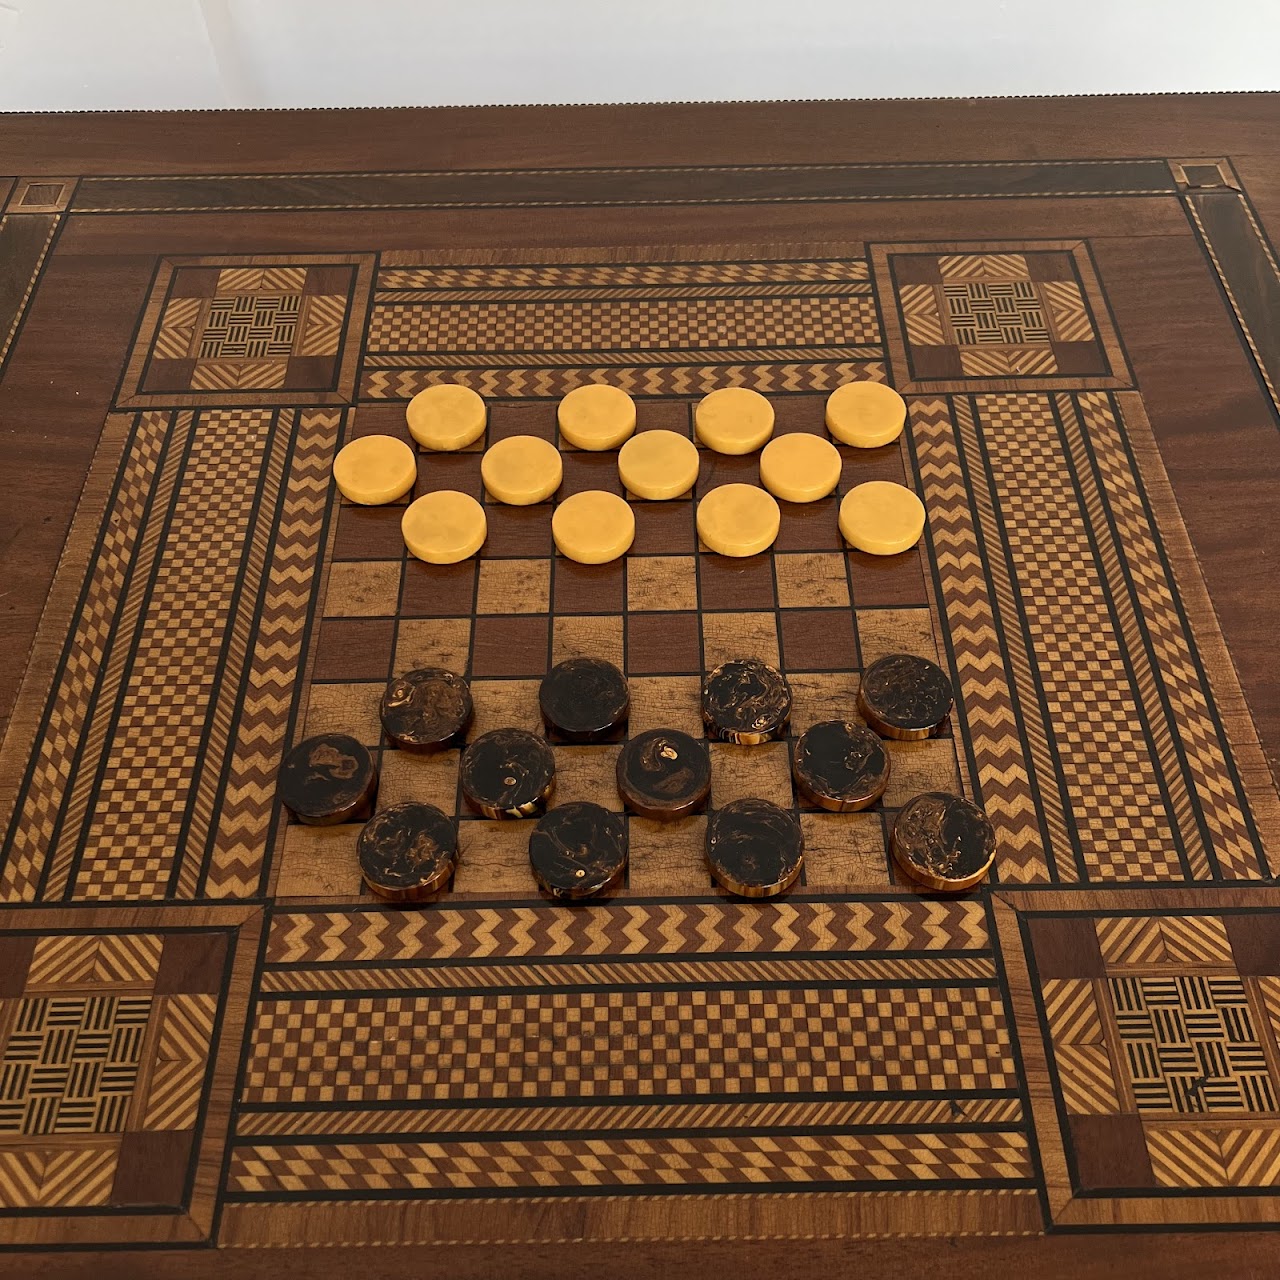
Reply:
x=444, y=527
x=733, y=420
x=881, y=518
x=426, y=710
x=593, y=527
x=327, y=779
x=754, y=848
x=738, y=519
x=584, y=700
x=664, y=774
x=407, y=852
x=746, y=701
x=840, y=766
x=508, y=773
x=943, y=842
x=373, y=470
x=800, y=467
x=597, y=417
x=446, y=417
x=578, y=849
x=658, y=465
x=521, y=470
x=905, y=697
x=866, y=414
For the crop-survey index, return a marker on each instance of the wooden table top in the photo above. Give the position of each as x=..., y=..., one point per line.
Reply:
x=218, y=1052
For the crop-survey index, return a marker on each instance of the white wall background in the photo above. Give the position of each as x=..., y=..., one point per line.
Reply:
x=98, y=54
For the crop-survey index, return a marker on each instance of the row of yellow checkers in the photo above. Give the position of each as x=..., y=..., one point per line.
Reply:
x=596, y=526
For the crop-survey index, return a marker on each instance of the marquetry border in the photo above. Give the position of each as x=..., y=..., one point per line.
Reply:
x=865, y=1215
x=86, y=1228
x=1246, y=264
x=598, y=186
x=1202, y=624
x=1204, y=172
x=1006, y=734
x=231, y=805
x=60, y=608
x=24, y=247
x=25, y=198
x=1233, y=240
x=28, y=230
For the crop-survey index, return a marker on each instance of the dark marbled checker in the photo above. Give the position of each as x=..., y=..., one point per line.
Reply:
x=584, y=700
x=754, y=848
x=407, y=852
x=508, y=773
x=746, y=701
x=943, y=841
x=905, y=697
x=841, y=766
x=578, y=849
x=664, y=774
x=327, y=779
x=426, y=710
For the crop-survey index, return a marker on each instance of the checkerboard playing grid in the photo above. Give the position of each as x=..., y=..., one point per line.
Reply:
x=666, y=614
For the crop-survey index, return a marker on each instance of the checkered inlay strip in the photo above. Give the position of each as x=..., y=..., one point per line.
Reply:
x=555, y=1045
x=626, y=326
x=695, y=1161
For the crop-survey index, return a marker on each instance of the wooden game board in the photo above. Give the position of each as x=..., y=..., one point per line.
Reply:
x=210, y=1036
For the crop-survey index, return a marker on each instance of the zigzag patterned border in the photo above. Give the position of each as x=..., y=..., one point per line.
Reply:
x=236, y=862
x=746, y=1113
x=638, y=380
x=989, y=705
x=618, y=928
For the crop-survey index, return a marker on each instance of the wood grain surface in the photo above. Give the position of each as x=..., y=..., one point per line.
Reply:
x=1074, y=1069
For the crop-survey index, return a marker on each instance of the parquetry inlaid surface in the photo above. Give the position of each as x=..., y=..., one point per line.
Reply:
x=1050, y=1051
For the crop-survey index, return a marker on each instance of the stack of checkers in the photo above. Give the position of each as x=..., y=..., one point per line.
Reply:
x=595, y=526
x=753, y=847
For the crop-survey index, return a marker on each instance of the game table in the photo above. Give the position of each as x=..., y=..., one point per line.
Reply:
x=220, y=1056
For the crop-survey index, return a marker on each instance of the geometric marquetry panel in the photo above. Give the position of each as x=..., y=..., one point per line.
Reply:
x=104, y=1034
x=70, y=1065
x=174, y=690
x=654, y=329
x=1099, y=747
x=1164, y=1055
x=975, y=316
x=476, y=1049
x=109, y=1059
x=262, y=330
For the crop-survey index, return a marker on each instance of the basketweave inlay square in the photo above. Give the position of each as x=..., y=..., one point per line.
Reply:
x=71, y=1064
x=1190, y=1045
